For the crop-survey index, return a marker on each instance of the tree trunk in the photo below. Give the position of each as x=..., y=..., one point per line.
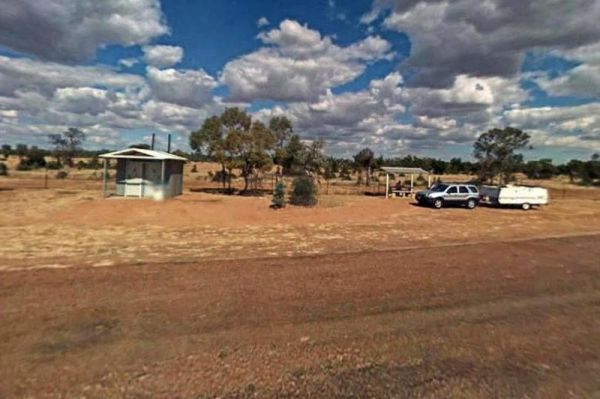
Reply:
x=223, y=175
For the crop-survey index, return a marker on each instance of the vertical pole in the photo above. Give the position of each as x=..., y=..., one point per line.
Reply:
x=169, y=143
x=46, y=179
x=411, y=182
x=105, y=170
x=428, y=180
x=162, y=177
x=152, y=145
x=387, y=185
x=142, y=180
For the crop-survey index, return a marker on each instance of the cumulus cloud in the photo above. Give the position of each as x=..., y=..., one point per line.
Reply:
x=38, y=98
x=191, y=88
x=298, y=65
x=23, y=74
x=484, y=38
x=572, y=126
x=162, y=55
x=71, y=30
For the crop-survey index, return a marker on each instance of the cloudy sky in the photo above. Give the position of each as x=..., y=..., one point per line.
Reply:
x=413, y=76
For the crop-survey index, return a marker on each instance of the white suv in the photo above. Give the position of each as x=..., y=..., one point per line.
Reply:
x=442, y=194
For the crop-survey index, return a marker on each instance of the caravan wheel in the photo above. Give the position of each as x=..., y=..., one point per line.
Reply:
x=526, y=206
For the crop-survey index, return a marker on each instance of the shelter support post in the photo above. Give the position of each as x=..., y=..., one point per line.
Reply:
x=104, y=178
x=387, y=185
x=162, y=175
x=412, y=182
x=428, y=181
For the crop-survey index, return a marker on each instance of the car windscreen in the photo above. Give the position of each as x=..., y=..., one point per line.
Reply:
x=439, y=188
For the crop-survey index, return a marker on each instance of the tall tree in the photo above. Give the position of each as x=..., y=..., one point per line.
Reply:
x=250, y=150
x=6, y=150
x=210, y=141
x=364, y=161
x=495, y=151
x=67, y=145
x=282, y=128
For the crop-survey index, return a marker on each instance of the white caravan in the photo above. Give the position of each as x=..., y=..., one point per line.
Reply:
x=522, y=196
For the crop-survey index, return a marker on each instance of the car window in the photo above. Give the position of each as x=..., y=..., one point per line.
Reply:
x=473, y=189
x=463, y=190
x=452, y=190
x=438, y=188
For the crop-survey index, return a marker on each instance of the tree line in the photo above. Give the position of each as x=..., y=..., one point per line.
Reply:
x=238, y=142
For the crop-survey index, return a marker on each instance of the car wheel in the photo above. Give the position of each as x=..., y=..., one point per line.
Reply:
x=526, y=206
x=438, y=203
x=471, y=204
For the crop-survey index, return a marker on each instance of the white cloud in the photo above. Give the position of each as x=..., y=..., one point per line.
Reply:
x=81, y=100
x=485, y=38
x=262, y=21
x=191, y=88
x=298, y=65
x=128, y=62
x=72, y=30
x=162, y=56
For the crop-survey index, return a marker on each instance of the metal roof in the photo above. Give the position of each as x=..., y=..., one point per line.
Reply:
x=406, y=171
x=141, y=153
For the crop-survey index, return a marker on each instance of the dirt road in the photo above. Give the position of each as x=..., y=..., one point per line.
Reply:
x=487, y=320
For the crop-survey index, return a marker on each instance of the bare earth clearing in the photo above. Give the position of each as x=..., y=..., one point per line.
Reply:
x=208, y=295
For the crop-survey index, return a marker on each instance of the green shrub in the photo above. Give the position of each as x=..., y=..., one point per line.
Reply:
x=194, y=168
x=221, y=176
x=304, y=191
x=53, y=165
x=3, y=169
x=278, y=196
x=62, y=174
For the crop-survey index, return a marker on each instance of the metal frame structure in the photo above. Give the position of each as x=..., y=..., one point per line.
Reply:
x=406, y=171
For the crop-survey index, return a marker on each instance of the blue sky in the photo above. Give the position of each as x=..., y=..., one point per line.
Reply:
x=401, y=77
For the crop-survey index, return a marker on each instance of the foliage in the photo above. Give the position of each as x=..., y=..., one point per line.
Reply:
x=53, y=165
x=142, y=146
x=495, y=151
x=34, y=159
x=282, y=127
x=542, y=169
x=194, y=168
x=3, y=169
x=278, y=196
x=304, y=191
x=249, y=150
x=364, y=161
x=62, y=174
x=6, y=150
x=67, y=145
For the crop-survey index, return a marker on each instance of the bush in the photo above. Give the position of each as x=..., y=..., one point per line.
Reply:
x=3, y=169
x=304, y=191
x=194, y=168
x=221, y=176
x=278, y=196
x=53, y=165
x=62, y=174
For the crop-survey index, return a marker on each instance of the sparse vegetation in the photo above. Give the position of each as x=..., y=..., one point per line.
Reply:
x=62, y=174
x=3, y=169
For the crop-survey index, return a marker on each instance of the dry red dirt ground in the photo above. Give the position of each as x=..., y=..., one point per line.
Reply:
x=488, y=320
x=209, y=296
